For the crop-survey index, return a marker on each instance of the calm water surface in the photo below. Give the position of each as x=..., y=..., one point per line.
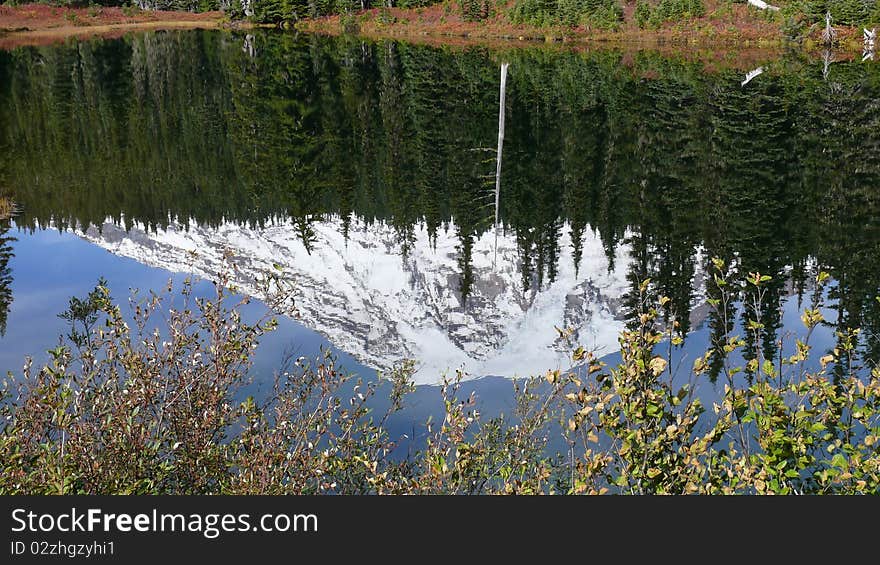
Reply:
x=367, y=173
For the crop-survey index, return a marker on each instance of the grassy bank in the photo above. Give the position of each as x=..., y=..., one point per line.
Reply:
x=705, y=23
x=736, y=26
x=38, y=24
x=719, y=23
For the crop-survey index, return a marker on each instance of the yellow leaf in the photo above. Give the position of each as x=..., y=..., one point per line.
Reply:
x=658, y=365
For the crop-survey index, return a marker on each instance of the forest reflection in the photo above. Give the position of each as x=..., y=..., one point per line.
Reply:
x=777, y=176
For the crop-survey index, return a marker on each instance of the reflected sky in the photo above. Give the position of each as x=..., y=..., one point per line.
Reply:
x=50, y=266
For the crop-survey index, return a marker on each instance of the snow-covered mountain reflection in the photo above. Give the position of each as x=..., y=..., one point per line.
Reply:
x=381, y=305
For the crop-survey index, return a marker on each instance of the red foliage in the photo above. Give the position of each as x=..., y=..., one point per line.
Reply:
x=33, y=24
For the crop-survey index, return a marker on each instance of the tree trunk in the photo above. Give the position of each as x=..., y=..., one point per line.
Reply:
x=500, y=139
x=500, y=147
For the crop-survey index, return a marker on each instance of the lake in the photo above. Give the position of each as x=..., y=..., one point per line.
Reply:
x=367, y=174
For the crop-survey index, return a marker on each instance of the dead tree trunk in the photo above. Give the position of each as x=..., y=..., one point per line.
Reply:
x=500, y=140
x=502, y=98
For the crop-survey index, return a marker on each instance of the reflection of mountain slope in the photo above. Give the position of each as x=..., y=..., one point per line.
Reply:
x=371, y=302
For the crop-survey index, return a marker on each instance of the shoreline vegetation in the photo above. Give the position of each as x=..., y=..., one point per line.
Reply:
x=41, y=24
x=721, y=24
x=122, y=408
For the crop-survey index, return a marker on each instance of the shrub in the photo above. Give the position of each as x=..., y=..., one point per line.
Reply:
x=349, y=23
x=130, y=10
x=157, y=409
x=598, y=13
x=843, y=12
x=676, y=10
x=642, y=13
x=474, y=10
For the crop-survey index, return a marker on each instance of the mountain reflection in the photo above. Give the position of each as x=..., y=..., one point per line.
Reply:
x=368, y=170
